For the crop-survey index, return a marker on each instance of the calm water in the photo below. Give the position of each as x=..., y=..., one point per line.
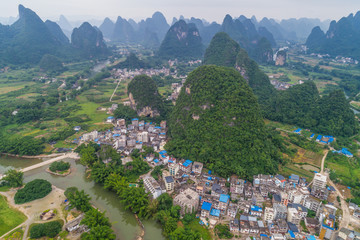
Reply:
x=7, y=162
x=124, y=222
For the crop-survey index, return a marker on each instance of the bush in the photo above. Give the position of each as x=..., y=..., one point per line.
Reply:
x=50, y=229
x=33, y=190
x=59, y=166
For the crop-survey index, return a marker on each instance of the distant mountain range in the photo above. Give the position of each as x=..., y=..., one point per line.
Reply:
x=149, y=32
x=182, y=41
x=29, y=39
x=342, y=38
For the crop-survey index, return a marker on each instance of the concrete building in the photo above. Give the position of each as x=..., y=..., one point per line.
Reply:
x=153, y=187
x=280, y=211
x=197, y=168
x=173, y=168
x=269, y=214
x=319, y=182
x=188, y=200
x=293, y=216
x=312, y=203
x=169, y=183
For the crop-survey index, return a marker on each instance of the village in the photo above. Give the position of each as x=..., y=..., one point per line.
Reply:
x=268, y=207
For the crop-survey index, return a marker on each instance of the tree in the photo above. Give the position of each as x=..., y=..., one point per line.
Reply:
x=184, y=234
x=33, y=190
x=94, y=217
x=223, y=231
x=170, y=226
x=100, y=172
x=79, y=200
x=88, y=156
x=14, y=178
x=99, y=232
x=165, y=201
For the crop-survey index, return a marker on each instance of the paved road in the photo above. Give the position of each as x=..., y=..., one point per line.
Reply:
x=323, y=161
x=115, y=90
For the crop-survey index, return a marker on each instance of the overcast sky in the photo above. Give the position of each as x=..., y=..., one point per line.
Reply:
x=212, y=10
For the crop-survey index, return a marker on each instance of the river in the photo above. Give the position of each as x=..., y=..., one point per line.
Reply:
x=123, y=221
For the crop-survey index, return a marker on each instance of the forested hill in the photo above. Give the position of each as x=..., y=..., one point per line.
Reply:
x=29, y=39
x=182, y=41
x=342, y=38
x=144, y=97
x=300, y=105
x=217, y=120
x=245, y=33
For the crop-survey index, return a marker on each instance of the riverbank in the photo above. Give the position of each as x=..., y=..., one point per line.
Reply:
x=33, y=209
x=32, y=157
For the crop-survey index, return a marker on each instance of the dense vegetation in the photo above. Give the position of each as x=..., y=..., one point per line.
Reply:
x=29, y=39
x=303, y=106
x=59, y=166
x=182, y=41
x=50, y=63
x=117, y=178
x=222, y=51
x=245, y=33
x=132, y=62
x=145, y=94
x=341, y=39
x=21, y=145
x=49, y=229
x=217, y=121
x=96, y=221
x=13, y=178
x=300, y=105
x=33, y=190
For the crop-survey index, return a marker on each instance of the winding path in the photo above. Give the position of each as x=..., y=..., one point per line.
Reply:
x=115, y=90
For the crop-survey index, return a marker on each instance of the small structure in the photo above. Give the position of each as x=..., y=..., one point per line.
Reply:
x=74, y=224
x=188, y=200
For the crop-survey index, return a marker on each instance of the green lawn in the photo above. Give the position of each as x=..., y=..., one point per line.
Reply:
x=9, y=218
x=195, y=225
x=17, y=234
x=4, y=188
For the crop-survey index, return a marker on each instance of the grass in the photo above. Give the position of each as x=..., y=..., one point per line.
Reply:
x=9, y=218
x=4, y=188
x=195, y=225
x=292, y=169
x=17, y=234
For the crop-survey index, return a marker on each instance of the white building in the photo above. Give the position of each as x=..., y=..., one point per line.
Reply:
x=152, y=186
x=269, y=214
x=188, y=200
x=319, y=182
x=293, y=216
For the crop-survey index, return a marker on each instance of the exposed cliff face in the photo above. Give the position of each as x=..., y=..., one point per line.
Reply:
x=280, y=58
x=182, y=41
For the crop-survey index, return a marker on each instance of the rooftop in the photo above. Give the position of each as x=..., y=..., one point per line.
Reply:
x=206, y=206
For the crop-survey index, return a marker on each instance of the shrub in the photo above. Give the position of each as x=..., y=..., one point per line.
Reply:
x=33, y=190
x=50, y=229
x=59, y=166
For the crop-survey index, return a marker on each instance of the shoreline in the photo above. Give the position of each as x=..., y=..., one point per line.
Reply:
x=41, y=156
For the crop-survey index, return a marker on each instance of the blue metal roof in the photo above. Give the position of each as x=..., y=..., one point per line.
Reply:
x=291, y=234
x=135, y=119
x=156, y=160
x=298, y=130
x=111, y=117
x=256, y=208
x=206, y=206
x=318, y=137
x=209, y=172
x=163, y=152
x=116, y=135
x=187, y=163
x=345, y=151
x=311, y=237
x=215, y=212
x=224, y=198
x=312, y=135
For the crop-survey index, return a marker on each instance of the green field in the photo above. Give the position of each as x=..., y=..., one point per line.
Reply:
x=17, y=234
x=9, y=218
x=195, y=225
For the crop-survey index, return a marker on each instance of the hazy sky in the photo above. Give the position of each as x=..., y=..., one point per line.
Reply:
x=212, y=10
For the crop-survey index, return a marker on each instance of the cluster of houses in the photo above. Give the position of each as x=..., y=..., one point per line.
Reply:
x=127, y=137
x=271, y=207
x=130, y=74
